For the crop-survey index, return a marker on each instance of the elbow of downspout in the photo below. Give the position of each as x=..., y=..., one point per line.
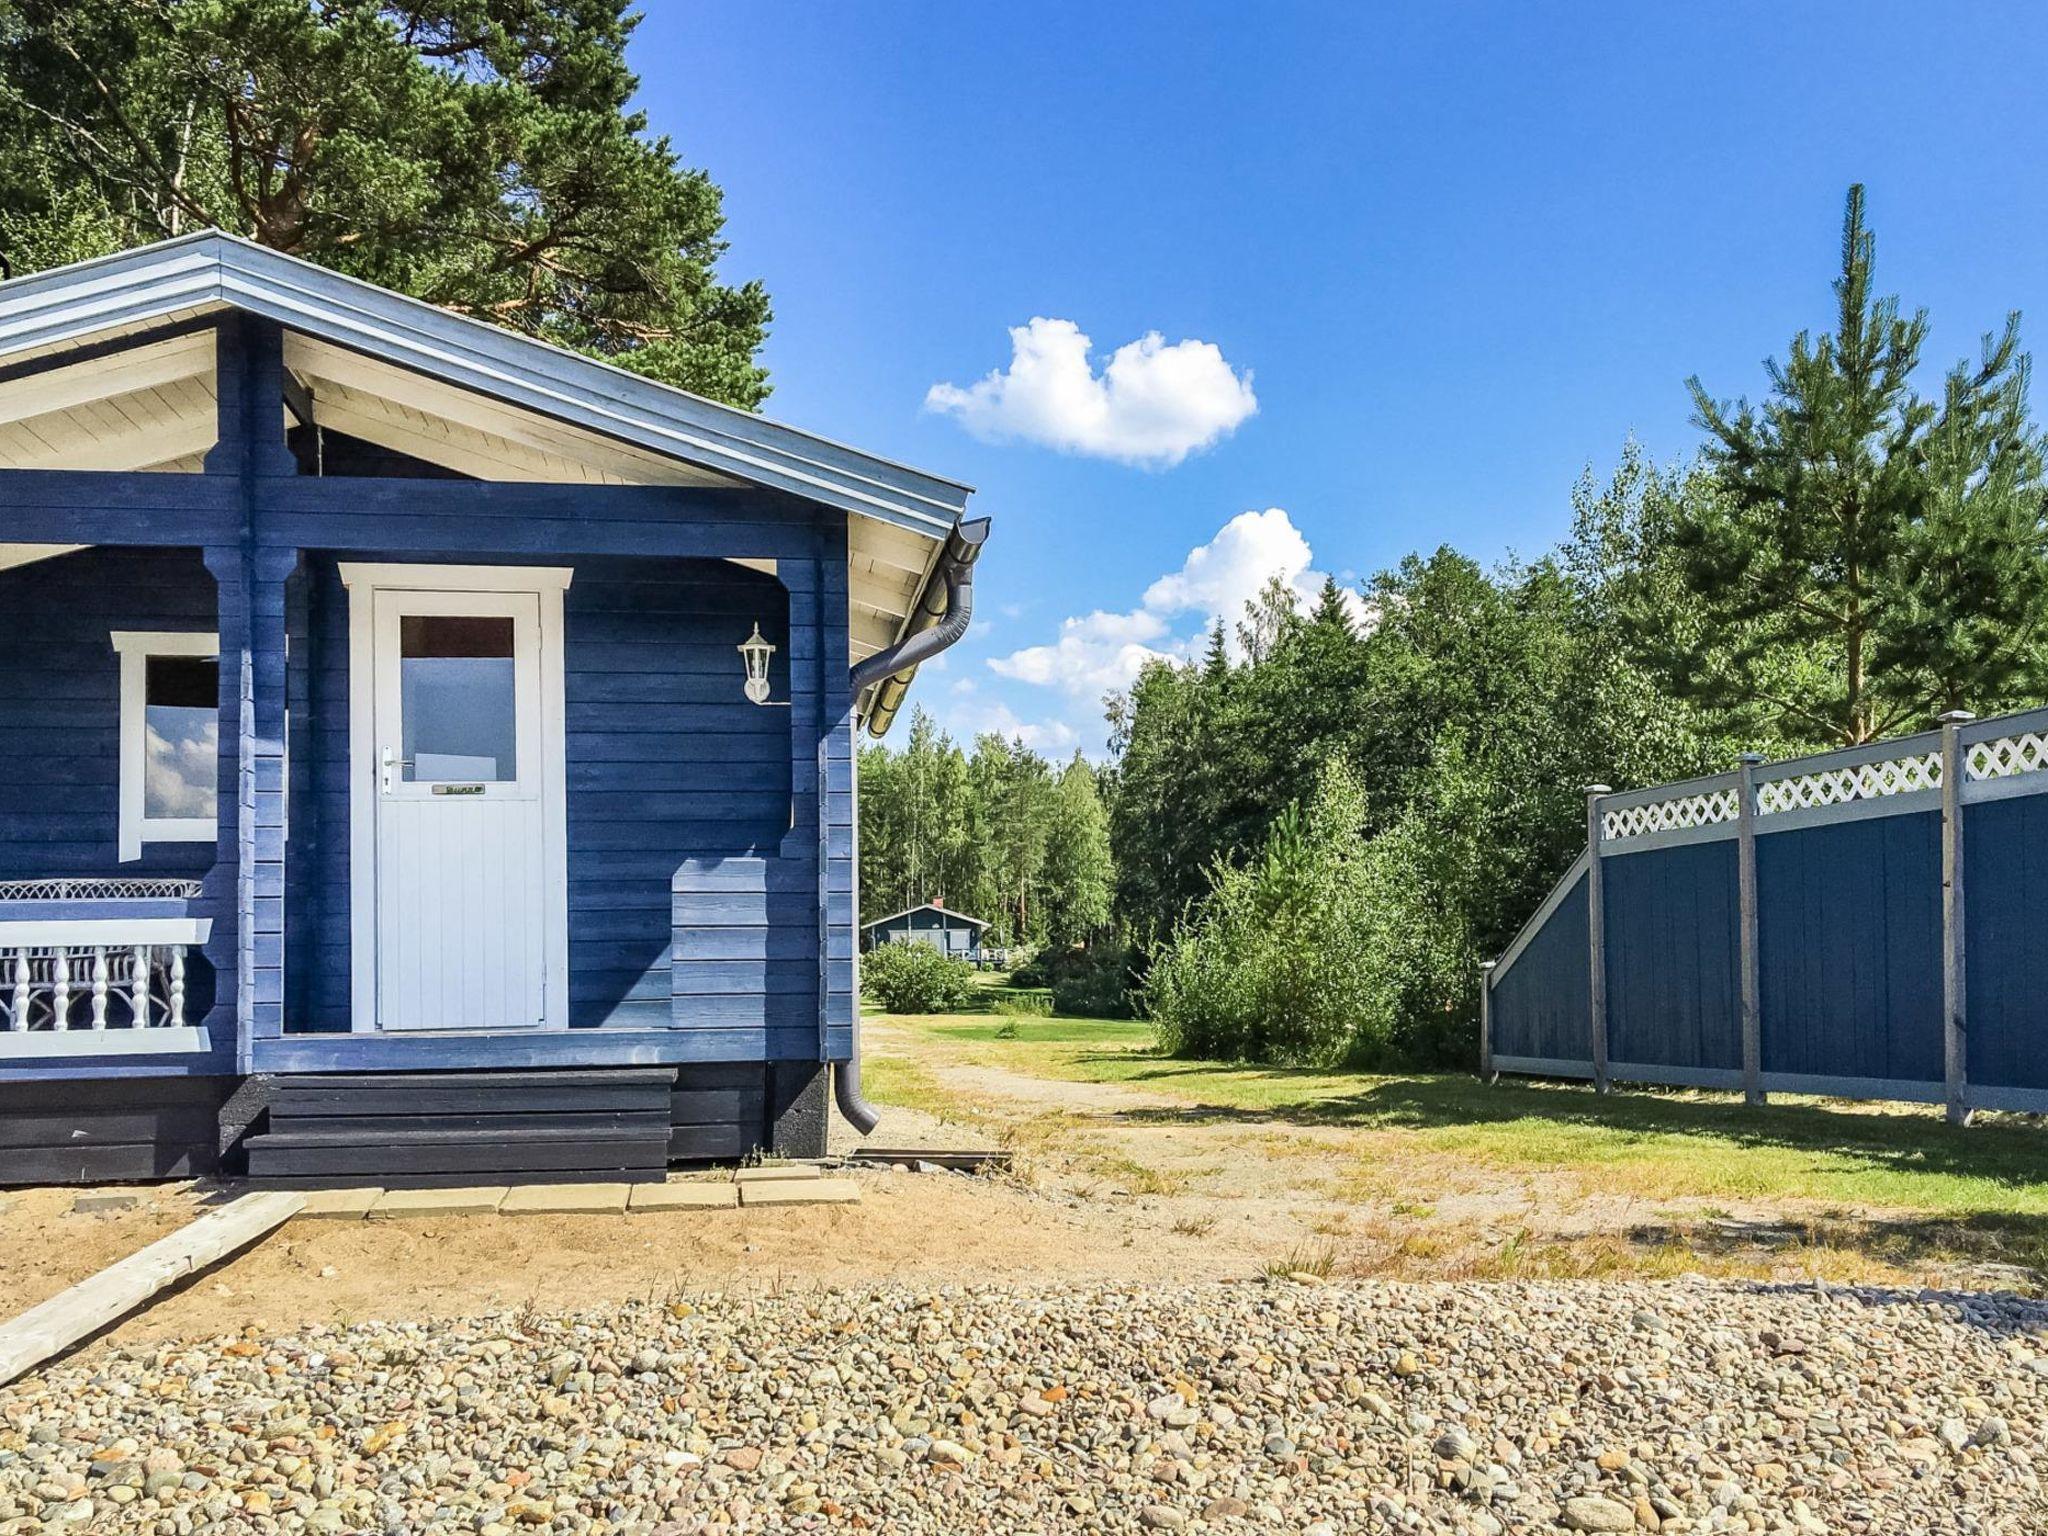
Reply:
x=853, y=1106
x=957, y=573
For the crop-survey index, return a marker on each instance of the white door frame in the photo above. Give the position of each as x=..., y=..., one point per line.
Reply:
x=363, y=582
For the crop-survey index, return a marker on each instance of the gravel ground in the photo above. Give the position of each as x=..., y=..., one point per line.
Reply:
x=1286, y=1407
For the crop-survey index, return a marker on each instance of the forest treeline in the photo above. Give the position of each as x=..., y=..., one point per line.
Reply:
x=1321, y=825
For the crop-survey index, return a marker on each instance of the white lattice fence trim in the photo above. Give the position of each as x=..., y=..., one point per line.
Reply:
x=2006, y=757
x=1701, y=810
x=1837, y=786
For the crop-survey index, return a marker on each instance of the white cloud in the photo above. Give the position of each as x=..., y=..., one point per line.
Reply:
x=1152, y=404
x=1049, y=738
x=1101, y=652
x=1094, y=654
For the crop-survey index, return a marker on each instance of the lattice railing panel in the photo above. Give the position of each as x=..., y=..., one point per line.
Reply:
x=2006, y=757
x=115, y=889
x=1701, y=810
x=1838, y=786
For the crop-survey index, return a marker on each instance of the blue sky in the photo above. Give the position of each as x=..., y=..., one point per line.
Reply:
x=1427, y=264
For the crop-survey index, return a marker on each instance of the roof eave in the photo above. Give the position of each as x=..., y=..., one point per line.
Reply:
x=215, y=268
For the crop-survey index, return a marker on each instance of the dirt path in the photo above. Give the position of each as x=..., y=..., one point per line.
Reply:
x=1264, y=1191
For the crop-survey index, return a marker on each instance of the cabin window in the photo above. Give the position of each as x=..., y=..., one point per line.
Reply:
x=170, y=739
x=458, y=698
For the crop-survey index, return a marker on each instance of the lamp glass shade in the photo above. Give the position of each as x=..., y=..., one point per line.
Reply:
x=755, y=651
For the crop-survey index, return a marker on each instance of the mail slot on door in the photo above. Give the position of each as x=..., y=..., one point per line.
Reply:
x=458, y=789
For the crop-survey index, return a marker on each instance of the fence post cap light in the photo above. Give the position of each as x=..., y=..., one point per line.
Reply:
x=1956, y=716
x=1750, y=759
x=755, y=650
x=1599, y=789
x=1487, y=965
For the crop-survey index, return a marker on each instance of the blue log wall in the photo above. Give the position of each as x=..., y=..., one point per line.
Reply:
x=667, y=763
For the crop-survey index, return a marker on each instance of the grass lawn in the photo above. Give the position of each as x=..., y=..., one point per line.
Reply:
x=1899, y=1168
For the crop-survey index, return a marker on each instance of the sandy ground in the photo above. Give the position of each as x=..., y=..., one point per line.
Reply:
x=1110, y=1185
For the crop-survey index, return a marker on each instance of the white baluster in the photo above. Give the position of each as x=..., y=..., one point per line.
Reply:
x=99, y=986
x=138, y=985
x=60, y=988
x=18, y=1016
x=177, y=986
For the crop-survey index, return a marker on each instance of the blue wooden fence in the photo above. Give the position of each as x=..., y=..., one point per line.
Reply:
x=1868, y=923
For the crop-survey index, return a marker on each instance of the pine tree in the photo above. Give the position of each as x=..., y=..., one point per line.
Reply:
x=483, y=155
x=1331, y=612
x=1873, y=555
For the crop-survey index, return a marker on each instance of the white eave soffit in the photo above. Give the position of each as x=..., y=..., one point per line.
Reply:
x=47, y=310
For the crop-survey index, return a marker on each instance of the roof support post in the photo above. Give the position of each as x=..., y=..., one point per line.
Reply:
x=249, y=399
x=1749, y=974
x=1596, y=939
x=1955, y=1029
x=249, y=394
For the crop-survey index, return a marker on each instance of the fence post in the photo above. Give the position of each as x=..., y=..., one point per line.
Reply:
x=1596, y=937
x=1955, y=1008
x=1745, y=886
x=1486, y=1073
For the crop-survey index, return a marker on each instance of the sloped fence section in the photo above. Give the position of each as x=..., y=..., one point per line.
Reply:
x=1867, y=923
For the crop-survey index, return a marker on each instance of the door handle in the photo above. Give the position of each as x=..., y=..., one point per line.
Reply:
x=392, y=762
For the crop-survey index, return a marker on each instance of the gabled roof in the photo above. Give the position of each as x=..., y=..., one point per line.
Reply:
x=46, y=311
x=929, y=906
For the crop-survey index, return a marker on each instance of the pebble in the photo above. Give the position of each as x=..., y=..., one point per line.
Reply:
x=1688, y=1406
x=1590, y=1512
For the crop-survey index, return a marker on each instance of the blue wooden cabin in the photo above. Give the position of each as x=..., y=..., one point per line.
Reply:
x=949, y=932
x=426, y=755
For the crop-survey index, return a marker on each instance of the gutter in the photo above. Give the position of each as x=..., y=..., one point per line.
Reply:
x=933, y=629
x=940, y=620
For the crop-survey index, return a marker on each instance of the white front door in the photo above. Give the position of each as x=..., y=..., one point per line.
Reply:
x=462, y=765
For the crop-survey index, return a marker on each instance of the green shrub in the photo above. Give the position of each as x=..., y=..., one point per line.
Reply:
x=1274, y=964
x=1032, y=1004
x=916, y=978
x=1092, y=981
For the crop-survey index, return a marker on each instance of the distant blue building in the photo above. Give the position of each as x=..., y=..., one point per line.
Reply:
x=950, y=932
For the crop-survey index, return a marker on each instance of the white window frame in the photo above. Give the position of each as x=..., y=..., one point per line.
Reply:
x=135, y=647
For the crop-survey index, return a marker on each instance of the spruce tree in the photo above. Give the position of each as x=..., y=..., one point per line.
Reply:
x=1870, y=555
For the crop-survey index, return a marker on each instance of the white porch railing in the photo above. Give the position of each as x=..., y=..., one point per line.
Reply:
x=96, y=966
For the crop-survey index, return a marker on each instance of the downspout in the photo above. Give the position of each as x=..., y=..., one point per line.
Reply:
x=891, y=669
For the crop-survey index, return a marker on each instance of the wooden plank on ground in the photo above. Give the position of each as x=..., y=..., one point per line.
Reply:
x=92, y=1304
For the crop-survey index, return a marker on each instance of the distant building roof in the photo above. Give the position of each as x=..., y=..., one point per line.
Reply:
x=929, y=906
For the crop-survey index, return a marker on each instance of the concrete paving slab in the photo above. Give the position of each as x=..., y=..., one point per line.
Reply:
x=94, y=1201
x=770, y=1173
x=564, y=1200
x=396, y=1204
x=340, y=1204
x=698, y=1196
x=800, y=1192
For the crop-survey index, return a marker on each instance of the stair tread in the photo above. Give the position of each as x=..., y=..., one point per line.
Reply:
x=331, y=1136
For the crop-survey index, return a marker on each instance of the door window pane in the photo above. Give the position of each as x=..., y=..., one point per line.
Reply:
x=180, y=737
x=457, y=699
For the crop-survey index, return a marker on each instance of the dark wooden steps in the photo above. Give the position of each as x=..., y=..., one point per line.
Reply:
x=466, y=1127
x=424, y=1129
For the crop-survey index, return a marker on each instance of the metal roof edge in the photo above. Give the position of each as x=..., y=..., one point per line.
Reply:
x=48, y=308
